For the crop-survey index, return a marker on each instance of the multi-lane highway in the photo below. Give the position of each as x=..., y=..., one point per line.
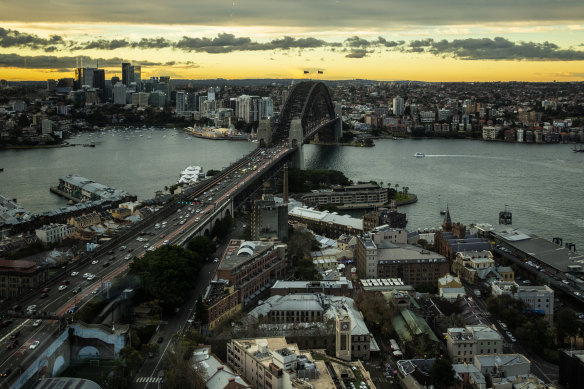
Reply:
x=63, y=297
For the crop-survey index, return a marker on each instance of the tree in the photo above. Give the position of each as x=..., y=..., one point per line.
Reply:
x=442, y=375
x=212, y=172
x=167, y=274
x=202, y=245
x=566, y=325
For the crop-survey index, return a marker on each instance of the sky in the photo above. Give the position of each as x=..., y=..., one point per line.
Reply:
x=425, y=40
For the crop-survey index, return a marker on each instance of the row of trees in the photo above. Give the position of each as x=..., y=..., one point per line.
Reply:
x=302, y=181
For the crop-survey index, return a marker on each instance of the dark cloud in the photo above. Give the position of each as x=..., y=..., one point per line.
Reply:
x=495, y=49
x=355, y=41
x=383, y=42
x=13, y=38
x=226, y=43
x=325, y=14
x=357, y=53
x=52, y=62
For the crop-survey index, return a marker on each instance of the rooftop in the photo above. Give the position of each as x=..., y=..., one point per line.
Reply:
x=326, y=217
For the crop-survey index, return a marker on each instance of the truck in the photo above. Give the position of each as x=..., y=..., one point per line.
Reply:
x=395, y=348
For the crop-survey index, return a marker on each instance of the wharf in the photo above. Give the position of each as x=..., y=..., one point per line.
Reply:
x=66, y=195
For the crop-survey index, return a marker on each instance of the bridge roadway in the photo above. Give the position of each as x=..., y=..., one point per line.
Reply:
x=181, y=224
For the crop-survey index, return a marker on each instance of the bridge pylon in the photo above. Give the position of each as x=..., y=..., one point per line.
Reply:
x=264, y=133
x=296, y=139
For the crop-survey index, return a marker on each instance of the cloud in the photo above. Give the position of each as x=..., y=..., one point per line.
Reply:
x=226, y=43
x=52, y=62
x=285, y=13
x=500, y=49
x=13, y=38
x=357, y=53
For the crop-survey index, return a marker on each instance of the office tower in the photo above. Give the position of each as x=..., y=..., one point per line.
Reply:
x=84, y=76
x=115, y=80
x=135, y=74
x=266, y=107
x=120, y=94
x=211, y=94
x=398, y=106
x=180, y=101
x=126, y=73
x=99, y=82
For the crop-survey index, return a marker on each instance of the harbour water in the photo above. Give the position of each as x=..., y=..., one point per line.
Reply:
x=540, y=184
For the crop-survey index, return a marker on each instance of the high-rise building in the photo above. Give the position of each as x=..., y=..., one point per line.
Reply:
x=120, y=94
x=126, y=73
x=84, y=76
x=140, y=99
x=135, y=74
x=180, y=101
x=211, y=94
x=99, y=82
x=266, y=107
x=398, y=106
x=115, y=80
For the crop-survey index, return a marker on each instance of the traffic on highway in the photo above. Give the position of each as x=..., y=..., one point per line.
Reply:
x=30, y=325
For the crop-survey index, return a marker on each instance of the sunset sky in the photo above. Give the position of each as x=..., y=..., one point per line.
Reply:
x=427, y=40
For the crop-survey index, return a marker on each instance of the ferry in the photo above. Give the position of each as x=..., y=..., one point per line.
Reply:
x=419, y=155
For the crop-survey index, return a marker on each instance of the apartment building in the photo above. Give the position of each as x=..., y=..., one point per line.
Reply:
x=464, y=343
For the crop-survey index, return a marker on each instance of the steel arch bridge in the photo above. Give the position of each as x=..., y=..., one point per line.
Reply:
x=309, y=101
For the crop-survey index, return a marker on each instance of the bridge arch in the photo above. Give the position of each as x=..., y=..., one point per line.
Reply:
x=311, y=102
x=58, y=365
x=88, y=352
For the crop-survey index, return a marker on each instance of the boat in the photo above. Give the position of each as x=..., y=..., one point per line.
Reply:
x=419, y=155
x=190, y=175
x=442, y=210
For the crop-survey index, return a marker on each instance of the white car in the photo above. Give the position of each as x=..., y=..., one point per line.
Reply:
x=90, y=277
x=62, y=287
x=73, y=274
x=86, y=275
x=95, y=291
x=94, y=262
x=34, y=345
x=31, y=307
x=37, y=323
x=128, y=257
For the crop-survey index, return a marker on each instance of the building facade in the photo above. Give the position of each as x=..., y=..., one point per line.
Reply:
x=348, y=197
x=19, y=276
x=464, y=343
x=53, y=233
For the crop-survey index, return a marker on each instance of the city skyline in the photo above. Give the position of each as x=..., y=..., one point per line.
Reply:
x=421, y=40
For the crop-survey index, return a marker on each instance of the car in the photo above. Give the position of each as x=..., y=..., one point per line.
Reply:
x=12, y=344
x=37, y=323
x=75, y=273
x=90, y=277
x=106, y=264
x=73, y=309
x=31, y=307
x=95, y=262
x=77, y=290
x=146, y=245
x=162, y=236
x=151, y=248
x=6, y=372
x=34, y=345
x=216, y=260
x=86, y=275
x=122, y=248
x=62, y=287
x=130, y=250
x=95, y=291
x=513, y=339
x=44, y=295
x=128, y=257
x=566, y=282
x=14, y=335
x=165, y=242
x=160, y=339
x=66, y=282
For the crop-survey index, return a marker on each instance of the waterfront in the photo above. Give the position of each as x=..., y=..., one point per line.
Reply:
x=541, y=184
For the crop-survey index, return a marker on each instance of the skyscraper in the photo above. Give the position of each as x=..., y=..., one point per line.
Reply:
x=180, y=101
x=120, y=94
x=99, y=82
x=398, y=106
x=135, y=74
x=126, y=73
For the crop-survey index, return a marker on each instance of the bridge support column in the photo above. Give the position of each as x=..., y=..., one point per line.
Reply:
x=264, y=133
x=296, y=140
x=339, y=122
